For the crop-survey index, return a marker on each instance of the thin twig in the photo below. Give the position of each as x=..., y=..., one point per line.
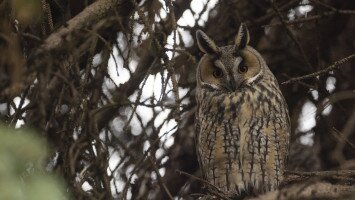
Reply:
x=160, y=180
x=312, y=18
x=334, y=66
x=292, y=36
x=343, y=138
x=215, y=190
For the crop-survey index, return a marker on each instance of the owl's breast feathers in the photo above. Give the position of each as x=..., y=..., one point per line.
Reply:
x=243, y=137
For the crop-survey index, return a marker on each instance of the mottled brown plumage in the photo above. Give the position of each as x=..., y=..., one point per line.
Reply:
x=242, y=119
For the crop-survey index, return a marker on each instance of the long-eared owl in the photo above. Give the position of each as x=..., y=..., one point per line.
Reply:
x=242, y=120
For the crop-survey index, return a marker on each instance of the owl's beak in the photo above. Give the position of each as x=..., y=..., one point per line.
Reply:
x=232, y=86
x=235, y=83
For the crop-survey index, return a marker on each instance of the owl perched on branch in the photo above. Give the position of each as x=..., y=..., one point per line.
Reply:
x=242, y=118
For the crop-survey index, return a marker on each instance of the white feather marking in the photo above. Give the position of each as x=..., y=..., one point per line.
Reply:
x=252, y=79
x=211, y=85
x=237, y=61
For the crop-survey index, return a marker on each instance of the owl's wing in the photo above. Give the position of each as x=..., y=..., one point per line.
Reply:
x=288, y=135
x=197, y=142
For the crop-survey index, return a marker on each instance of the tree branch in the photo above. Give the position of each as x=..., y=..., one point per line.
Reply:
x=318, y=190
x=88, y=17
x=289, y=32
x=335, y=65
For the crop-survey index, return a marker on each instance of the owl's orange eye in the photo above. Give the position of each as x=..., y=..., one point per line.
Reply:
x=242, y=69
x=217, y=72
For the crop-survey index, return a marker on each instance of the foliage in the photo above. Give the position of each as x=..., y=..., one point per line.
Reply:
x=110, y=85
x=22, y=156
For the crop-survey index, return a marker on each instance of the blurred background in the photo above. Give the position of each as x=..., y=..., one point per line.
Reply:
x=110, y=84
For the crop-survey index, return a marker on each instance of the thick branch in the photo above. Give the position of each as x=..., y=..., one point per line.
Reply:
x=88, y=17
x=318, y=190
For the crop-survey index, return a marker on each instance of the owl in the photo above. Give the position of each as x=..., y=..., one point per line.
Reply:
x=242, y=120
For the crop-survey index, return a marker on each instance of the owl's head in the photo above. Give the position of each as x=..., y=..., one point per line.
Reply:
x=230, y=67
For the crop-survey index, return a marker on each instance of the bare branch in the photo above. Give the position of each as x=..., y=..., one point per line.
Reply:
x=88, y=17
x=318, y=190
x=333, y=66
x=292, y=36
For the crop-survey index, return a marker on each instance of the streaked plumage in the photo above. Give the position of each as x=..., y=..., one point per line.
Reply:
x=242, y=119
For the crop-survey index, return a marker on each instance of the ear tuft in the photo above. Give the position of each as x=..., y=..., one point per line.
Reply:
x=205, y=43
x=242, y=38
